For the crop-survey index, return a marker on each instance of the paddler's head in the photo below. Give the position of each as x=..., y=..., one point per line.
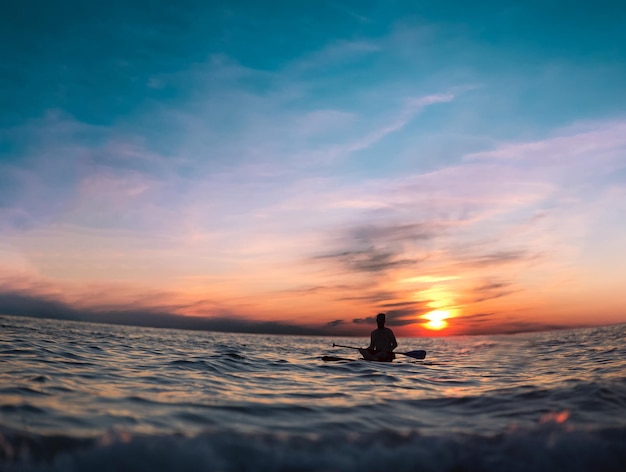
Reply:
x=380, y=320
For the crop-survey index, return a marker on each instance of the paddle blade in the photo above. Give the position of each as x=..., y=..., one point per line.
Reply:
x=415, y=354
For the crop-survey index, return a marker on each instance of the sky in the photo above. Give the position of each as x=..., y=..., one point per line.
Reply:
x=297, y=167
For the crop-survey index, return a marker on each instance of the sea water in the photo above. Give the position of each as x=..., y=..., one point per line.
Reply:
x=91, y=397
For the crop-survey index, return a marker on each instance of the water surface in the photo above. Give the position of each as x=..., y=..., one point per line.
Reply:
x=72, y=392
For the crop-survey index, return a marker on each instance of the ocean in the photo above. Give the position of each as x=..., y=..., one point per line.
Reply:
x=92, y=397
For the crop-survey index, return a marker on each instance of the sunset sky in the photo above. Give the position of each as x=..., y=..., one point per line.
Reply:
x=298, y=167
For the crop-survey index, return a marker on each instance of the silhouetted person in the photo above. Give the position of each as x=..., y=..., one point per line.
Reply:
x=382, y=343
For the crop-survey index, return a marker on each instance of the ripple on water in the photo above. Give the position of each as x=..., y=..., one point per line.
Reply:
x=40, y=379
x=167, y=380
x=23, y=408
x=21, y=391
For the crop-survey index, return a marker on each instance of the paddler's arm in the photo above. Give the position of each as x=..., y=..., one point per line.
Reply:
x=394, y=343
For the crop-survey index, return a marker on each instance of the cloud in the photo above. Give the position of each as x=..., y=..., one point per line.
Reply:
x=234, y=171
x=395, y=232
x=369, y=260
x=379, y=248
x=490, y=323
x=405, y=316
x=66, y=170
x=369, y=293
x=119, y=303
x=574, y=143
x=334, y=323
x=496, y=258
x=333, y=54
x=403, y=304
x=412, y=108
x=515, y=216
x=493, y=290
x=515, y=327
x=477, y=318
x=35, y=183
x=20, y=303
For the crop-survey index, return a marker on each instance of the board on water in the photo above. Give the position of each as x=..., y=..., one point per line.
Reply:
x=344, y=359
x=420, y=354
x=335, y=359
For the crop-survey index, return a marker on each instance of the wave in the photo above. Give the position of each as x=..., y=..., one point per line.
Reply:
x=546, y=448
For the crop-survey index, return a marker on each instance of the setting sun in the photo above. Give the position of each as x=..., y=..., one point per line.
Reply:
x=437, y=319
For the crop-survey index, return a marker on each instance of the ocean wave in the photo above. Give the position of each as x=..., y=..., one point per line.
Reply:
x=546, y=448
x=266, y=398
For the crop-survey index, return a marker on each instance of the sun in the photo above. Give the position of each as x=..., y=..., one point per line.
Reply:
x=437, y=319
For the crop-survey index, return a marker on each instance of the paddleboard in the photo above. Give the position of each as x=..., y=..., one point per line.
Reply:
x=335, y=358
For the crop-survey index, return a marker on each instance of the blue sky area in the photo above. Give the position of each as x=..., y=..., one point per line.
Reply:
x=221, y=159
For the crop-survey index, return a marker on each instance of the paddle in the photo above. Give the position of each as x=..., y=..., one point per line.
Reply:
x=414, y=354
